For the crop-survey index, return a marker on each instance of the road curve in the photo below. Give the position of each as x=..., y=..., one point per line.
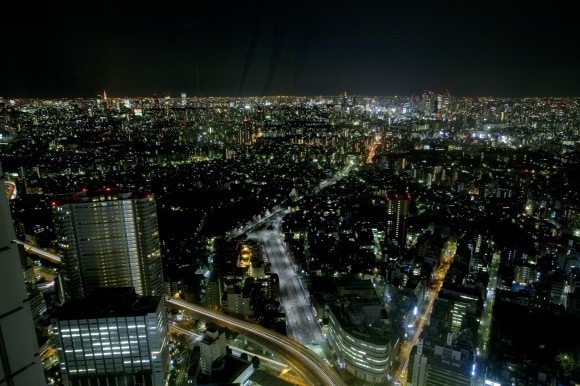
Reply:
x=307, y=364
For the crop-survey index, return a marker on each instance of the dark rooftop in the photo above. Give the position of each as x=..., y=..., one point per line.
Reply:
x=103, y=194
x=108, y=302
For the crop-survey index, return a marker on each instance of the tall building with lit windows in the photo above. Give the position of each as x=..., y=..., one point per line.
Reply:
x=397, y=214
x=20, y=363
x=108, y=238
x=112, y=337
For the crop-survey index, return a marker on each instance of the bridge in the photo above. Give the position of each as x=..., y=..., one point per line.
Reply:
x=311, y=368
x=39, y=252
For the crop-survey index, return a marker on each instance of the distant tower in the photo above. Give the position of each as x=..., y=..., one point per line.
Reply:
x=109, y=239
x=105, y=102
x=112, y=337
x=245, y=132
x=428, y=102
x=344, y=102
x=20, y=363
x=397, y=214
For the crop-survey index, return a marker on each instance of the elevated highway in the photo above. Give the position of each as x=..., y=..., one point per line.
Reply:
x=311, y=368
x=39, y=252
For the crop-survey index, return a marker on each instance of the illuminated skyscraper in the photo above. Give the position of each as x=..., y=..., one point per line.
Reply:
x=397, y=214
x=109, y=239
x=20, y=363
x=112, y=337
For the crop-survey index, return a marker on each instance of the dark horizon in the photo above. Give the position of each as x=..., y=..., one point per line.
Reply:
x=259, y=48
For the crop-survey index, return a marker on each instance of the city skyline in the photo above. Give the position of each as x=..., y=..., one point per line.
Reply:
x=437, y=235
x=302, y=48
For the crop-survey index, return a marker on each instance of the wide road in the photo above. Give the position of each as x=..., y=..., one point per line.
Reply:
x=312, y=369
x=302, y=323
x=446, y=258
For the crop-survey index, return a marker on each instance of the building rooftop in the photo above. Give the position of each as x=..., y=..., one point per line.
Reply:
x=353, y=320
x=224, y=371
x=260, y=377
x=96, y=195
x=108, y=302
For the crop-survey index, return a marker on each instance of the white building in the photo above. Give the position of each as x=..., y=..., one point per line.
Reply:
x=212, y=347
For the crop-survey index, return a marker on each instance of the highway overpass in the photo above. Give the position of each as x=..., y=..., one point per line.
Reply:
x=311, y=368
x=39, y=252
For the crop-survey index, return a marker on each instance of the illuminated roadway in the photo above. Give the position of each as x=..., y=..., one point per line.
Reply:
x=484, y=330
x=195, y=338
x=302, y=323
x=447, y=254
x=372, y=150
x=39, y=252
x=306, y=363
x=301, y=319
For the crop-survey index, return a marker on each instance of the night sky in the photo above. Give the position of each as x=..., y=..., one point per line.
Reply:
x=505, y=48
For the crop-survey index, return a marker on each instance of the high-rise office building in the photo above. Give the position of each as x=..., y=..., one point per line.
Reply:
x=109, y=238
x=20, y=363
x=112, y=337
x=397, y=214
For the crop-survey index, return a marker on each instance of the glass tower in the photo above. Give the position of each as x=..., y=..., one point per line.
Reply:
x=109, y=239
